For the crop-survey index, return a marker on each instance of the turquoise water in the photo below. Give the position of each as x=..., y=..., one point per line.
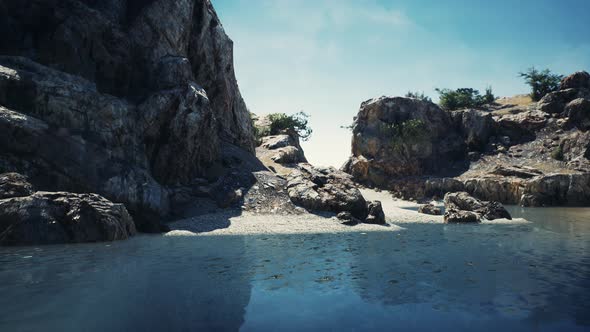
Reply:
x=512, y=277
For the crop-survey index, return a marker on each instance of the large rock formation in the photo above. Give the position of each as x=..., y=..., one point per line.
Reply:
x=123, y=98
x=536, y=154
x=396, y=137
x=28, y=218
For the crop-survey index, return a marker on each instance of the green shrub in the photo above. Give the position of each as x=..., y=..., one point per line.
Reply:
x=464, y=98
x=418, y=95
x=541, y=82
x=298, y=122
x=406, y=134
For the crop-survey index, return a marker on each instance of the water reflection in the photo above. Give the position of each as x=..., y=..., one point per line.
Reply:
x=460, y=277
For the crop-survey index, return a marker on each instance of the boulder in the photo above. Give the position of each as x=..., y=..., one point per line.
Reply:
x=348, y=219
x=454, y=216
x=578, y=80
x=395, y=137
x=54, y=218
x=555, y=102
x=457, y=204
x=14, y=185
x=578, y=111
x=429, y=209
x=325, y=189
x=376, y=215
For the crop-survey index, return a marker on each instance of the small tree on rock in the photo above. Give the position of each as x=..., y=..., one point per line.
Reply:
x=541, y=82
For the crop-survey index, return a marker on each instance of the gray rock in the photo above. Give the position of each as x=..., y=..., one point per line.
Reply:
x=430, y=209
x=578, y=110
x=52, y=218
x=578, y=80
x=120, y=98
x=376, y=158
x=14, y=185
x=457, y=203
x=348, y=219
x=376, y=215
x=325, y=189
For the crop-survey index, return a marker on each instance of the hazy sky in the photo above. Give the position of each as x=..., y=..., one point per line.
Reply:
x=327, y=56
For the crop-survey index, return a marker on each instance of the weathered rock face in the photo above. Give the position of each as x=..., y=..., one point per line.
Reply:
x=461, y=207
x=326, y=189
x=28, y=218
x=578, y=80
x=120, y=98
x=14, y=185
x=383, y=145
x=429, y=209
x=535, y=154
x=283, y=149
x=476, y=126
x=376, y=214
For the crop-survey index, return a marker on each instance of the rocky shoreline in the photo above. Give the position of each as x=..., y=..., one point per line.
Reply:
x=531, y=155
x=119, y=116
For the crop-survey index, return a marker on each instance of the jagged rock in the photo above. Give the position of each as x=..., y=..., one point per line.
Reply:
x=453, y=216
x=516, y=171
x=14, y=185
x=555, y=102
x=283, y=149
x=476, y=126
x=52, y=218
x=348, y=219
x=522, y=125
x=376, y=214
x=121, y=98
x=325, y=189
x=457, y=203
x=578, y=111
x=430, y=209
x=578, y=80
x=377, y=157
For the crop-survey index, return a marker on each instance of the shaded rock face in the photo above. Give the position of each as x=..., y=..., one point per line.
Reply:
x=28, y=218
x=461, y=207
x=578, y=80
x=121, y=98
x=377, y=155
x=376, y=214
x=429, y=209
x=14, y=185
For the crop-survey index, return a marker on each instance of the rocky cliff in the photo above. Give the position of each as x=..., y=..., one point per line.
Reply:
x=536, y=154
x=125, y=98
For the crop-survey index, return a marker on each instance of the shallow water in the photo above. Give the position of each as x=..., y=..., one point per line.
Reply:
x=517, y=277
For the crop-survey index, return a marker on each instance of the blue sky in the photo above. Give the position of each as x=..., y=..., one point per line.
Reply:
x=327, y=56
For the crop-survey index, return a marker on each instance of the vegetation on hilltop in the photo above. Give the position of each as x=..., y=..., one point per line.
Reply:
x=541, y=82
x=464, y=98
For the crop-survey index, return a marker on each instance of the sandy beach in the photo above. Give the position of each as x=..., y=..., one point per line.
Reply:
x=397, y=212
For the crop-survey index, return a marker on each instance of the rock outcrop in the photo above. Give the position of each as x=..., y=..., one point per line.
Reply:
x=535, y=154
x=461, y=207
x=396, y=137
x=28, y=218
x=127, y=99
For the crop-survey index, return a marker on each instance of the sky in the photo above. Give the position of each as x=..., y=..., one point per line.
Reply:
x=325, y=57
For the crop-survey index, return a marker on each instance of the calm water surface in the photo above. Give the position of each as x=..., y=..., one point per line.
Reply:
x=511, y=277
